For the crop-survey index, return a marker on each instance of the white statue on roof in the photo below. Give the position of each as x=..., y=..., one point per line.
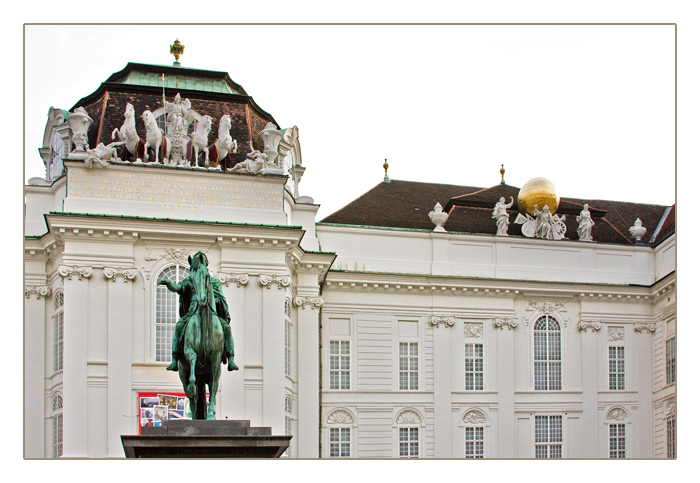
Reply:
x=585, y=224
x=101, y=155
x=179, y=115
x=548, y=226
x=501, y=216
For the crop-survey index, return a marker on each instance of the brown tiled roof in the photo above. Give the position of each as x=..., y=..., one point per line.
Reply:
x=406, y=204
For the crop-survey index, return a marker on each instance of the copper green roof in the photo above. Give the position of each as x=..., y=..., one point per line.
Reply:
x=177, y=78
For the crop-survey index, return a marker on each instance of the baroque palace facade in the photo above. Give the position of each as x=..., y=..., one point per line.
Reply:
x=421, y=320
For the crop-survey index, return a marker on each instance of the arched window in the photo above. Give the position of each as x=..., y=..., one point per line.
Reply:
x=409, y=423
x=58, y=332
x=474, y=422
x=57, y=426
x=547, y=354
x=340, y=424
x=167, y=311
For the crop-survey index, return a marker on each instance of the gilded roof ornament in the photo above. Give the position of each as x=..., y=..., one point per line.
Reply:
x=503, y=172
x=386, y=171
x=177, y=49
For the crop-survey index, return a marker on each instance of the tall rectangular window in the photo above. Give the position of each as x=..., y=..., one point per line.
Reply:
x=340, y=364
x=287, y=348
x=547, y=342
x=548, y=437
x=616, y=368
x=408, y=442
x=617, y=440
x=671, y=436
x=408, y=366
x=340, y=442
x=671, y=360
x=57, y=430
x=474, y=439
x=474, y=367
x=58, y=341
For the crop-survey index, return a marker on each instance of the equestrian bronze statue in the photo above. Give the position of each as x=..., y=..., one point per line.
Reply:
x=202, y=339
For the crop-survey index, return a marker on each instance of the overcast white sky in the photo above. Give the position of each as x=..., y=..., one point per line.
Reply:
x=589, y=107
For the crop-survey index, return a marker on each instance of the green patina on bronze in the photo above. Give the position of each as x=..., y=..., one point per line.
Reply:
x=202, y=339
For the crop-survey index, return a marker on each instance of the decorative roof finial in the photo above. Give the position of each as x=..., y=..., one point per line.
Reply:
x=386, y=172
x=503, y=172
x=177, y=49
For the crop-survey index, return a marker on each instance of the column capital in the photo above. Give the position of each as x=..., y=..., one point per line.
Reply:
x=38, y=290
x=446, y=320
x=129, y=274
x=67, y=272
x=584, y=325
x=509, y=323
x=239, y=278
x=649, y=328
x=314, y=302
x=281, y=280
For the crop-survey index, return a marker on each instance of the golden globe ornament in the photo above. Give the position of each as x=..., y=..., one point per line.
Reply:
x=537, y=192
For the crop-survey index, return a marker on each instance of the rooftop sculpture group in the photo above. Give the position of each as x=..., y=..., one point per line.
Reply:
x=176, y=145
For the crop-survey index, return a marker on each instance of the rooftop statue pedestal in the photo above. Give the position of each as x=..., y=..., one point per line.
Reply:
x=205, y=439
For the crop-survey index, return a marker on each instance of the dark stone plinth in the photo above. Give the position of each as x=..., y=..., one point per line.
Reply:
x=205, y=439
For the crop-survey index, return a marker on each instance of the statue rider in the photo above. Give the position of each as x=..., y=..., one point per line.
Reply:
x=188, y=307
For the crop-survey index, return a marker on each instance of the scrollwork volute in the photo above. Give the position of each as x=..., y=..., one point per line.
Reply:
x=340, y=416
x=445, y=321
x=114, y=273
x=239, y=278
x=314, y=302
x=282, y=281
x=38, y=290
x=584, y=325
x=509, y=323
x=649, y=328
x=67, y=272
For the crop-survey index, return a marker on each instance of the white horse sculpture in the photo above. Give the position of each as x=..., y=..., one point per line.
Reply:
x=224, y=143
x=127, y=134
x=200, y=138
x=155, y=139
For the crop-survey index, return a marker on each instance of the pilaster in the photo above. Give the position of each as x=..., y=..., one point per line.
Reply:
x=75, y=356
x=645, y=420
x=506, y=386
x=589, y=334
x=442, y=402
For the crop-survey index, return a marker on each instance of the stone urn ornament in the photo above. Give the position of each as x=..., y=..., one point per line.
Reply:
x=438, y=217
x=79, y=122
x=638, y=231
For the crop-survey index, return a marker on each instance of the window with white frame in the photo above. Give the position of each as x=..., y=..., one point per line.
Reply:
x=288, y=420
x=57, y=426
x=547, y=351
x=671, y=436
x=167, y=311
x=339, y=352
x=287, y=347
x=340, y=423
x=616, y=368
x=58, y=332
x=408, y=442
x=617, y=440
x=408, y=366
x=474, y=367
x=548, y=436
x=671, y=360
x=474, y=430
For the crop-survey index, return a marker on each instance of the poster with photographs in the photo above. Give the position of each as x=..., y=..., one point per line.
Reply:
x=154, y=408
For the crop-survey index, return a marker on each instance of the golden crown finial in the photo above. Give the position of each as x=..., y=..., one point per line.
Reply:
x=176, y=48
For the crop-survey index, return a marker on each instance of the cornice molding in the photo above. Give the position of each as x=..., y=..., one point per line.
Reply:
x=67, y=272
x=128, y=274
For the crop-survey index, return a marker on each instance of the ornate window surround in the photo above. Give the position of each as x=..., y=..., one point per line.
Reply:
x=406, y=418
x=340, y=418
x=170, y=298
x=617, y=414
x=474, y=417
x=555, y=310
x=56, y=425
x=548, y=363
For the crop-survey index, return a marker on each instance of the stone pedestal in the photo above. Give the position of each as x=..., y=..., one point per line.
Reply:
x=205, y=439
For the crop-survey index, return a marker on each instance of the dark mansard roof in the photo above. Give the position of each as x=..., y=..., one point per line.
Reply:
x=406, y=204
